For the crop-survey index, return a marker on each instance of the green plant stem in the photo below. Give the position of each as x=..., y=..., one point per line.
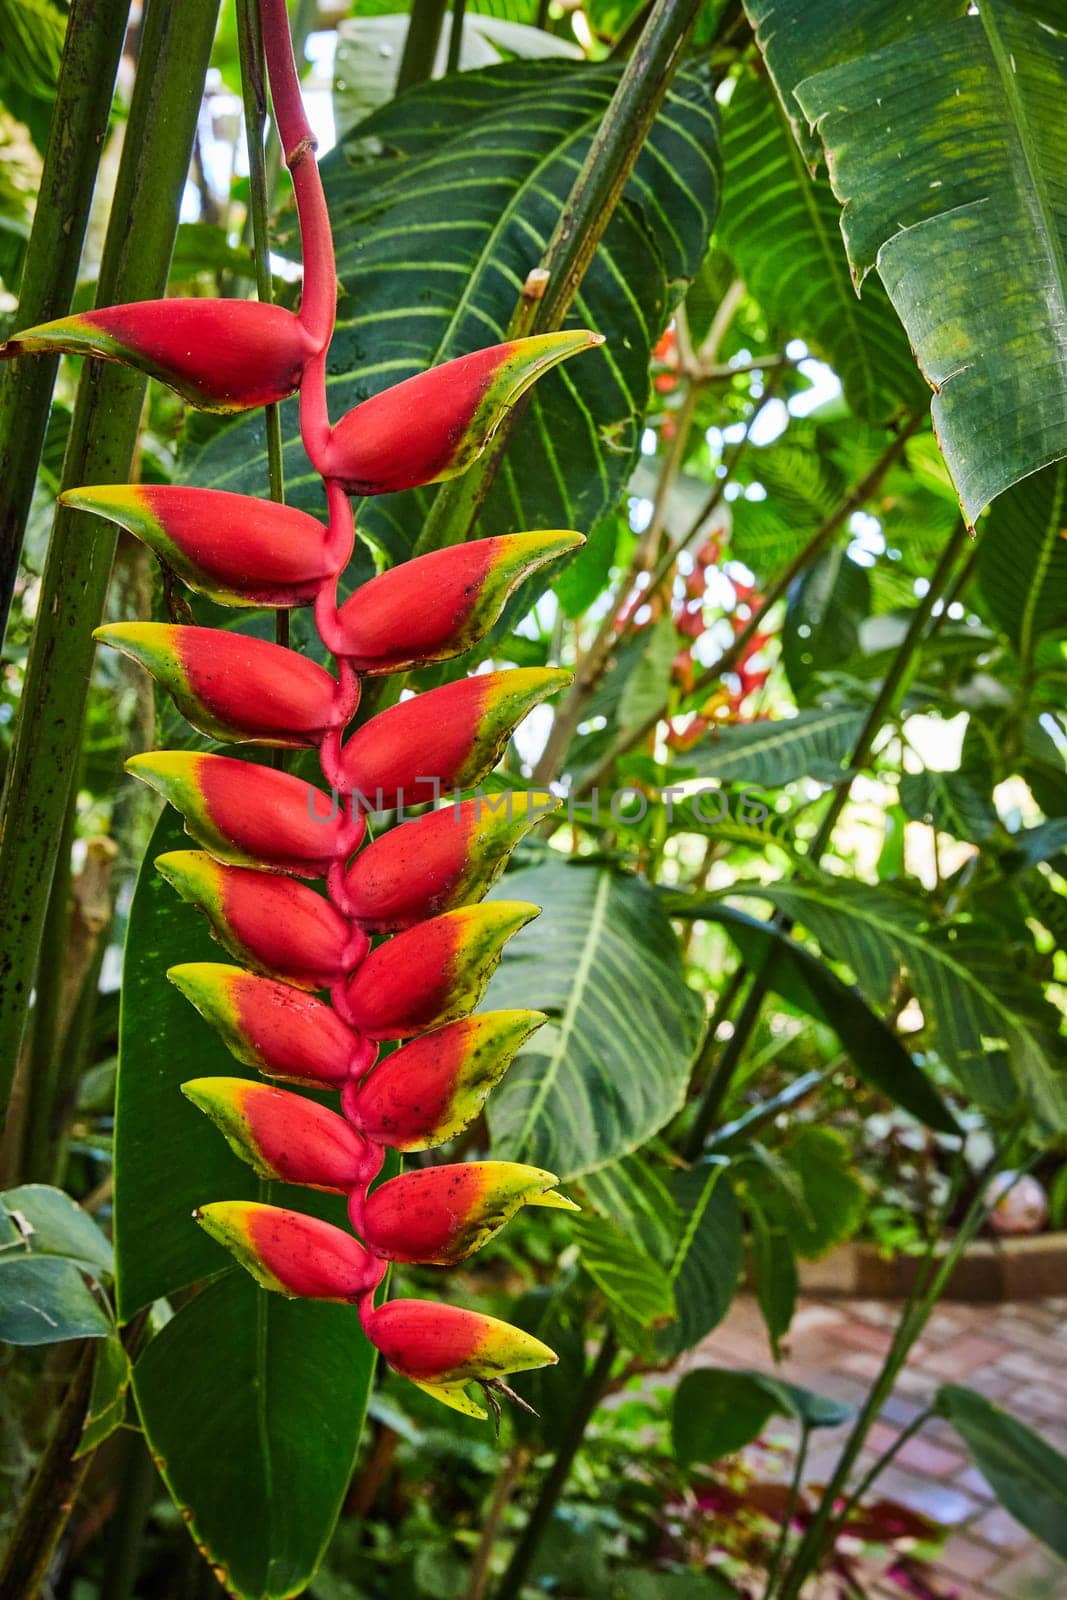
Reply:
x=53, y=1489
x=420, y=43
x=795, y=1485
x=892, y=686
x=583, y=1406
x=455, y=37
x=176, y=46
x=137, y=1489
x=586, y=213
x=254, y=96
x=42, y=1080
x=925, y=1295
x=92, y=49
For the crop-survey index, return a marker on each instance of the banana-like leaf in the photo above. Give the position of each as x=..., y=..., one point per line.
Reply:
x=943, y=134
x=611, y=1066
x=781, y=225
x=436, y=234
x=1022, y=559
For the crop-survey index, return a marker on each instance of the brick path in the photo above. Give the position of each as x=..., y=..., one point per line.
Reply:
x=1015, y=1354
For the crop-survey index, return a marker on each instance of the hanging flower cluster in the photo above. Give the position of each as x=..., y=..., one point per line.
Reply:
x=263, y=831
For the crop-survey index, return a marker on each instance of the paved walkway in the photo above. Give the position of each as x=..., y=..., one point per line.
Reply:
x=1016, y=1354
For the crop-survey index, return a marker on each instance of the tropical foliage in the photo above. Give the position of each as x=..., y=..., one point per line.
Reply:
x=795, y=814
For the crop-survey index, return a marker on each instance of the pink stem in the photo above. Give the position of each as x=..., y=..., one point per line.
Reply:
x=319, y=301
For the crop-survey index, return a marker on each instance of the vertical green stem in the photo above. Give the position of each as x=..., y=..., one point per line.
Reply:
x=175, y=50
x=796, y=1483
x=455, y=37
x=91, y=52
x=589, y=208
x=43, y=1076
x=254, y=93
x=420, y=44
x=584, y=1404
x=52, y=1491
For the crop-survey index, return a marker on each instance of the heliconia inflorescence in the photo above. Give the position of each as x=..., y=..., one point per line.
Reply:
x=260, y=831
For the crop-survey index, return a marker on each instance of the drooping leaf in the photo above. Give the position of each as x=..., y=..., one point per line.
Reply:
x=705, y=1268
x=603, y=961
x=1027, y=1475
x=473, y=205
x=781, y=226
x=637, y=1289
x=945, y=149
x=992, y=1028
x=774, y=1261
x=808, y=983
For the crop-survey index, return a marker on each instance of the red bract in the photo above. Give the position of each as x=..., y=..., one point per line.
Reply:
x=261, y=828
x=221, y=355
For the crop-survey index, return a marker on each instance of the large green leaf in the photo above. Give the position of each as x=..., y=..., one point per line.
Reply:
x=706, y=1262
x=808, y=983
x=253, y=1402
x=718, y=1410
x=611, y=1066
x=638, y=1291
x=781, y=225
x=1028, y=1476
x=797, y=39
x=435, y=239
x=813, y=744
x=946, y=148
x=991, y=1027
x=1022, y=559
x=253, y=1407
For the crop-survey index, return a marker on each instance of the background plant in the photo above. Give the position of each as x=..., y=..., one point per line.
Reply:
x=778, y=599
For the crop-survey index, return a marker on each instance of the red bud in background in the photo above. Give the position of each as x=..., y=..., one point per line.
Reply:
x=454, y=735
x=434, y=425
x=220, y=355
x=285, y=1136
x=291, y=1253
x=250, y=815
x=431, y=1089
x=435, y=972
x=280, y=927
x=439, y=605
x=233, y=687
x=236, y=550
x=281, y=1031
x=441, y=1215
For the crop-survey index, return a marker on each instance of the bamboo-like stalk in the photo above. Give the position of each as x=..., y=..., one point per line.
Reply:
x=92, y=49
x=421, y=42
x=144, y=217
x=589, y=208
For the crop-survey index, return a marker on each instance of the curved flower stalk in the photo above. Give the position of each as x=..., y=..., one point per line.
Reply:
x=265, y=839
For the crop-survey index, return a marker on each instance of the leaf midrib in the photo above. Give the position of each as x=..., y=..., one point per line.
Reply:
x=567, y=1022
